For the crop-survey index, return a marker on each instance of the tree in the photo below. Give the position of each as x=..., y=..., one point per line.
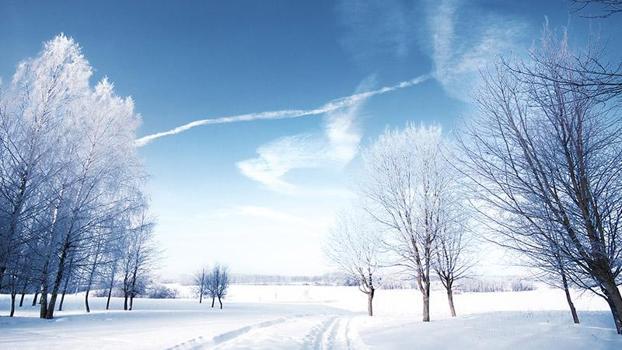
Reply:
x=200, y=280
x=32, y=112
x=96, y=252
x=71, y=271
x=139, y=254
x=355, y=247
x=68, y=167
x=217, y=283
x=544, y=155
x=403, y=185
x=452, y=262
x=223, y=284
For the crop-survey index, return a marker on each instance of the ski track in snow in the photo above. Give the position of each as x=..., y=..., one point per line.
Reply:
x=202, y=343
x=333, y=333
x=328, y=333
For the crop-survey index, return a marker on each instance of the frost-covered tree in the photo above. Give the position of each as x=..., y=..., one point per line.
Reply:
x=403, y=183
x=200, y=280
x=223, y=284
x=355, y=246
x=68, y=167
x=453, y=260
x=217, y=283
x=34, y=113
x=138, y=256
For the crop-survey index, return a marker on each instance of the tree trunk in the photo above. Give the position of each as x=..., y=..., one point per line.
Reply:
x=86, y=300
x=34, y=299
x=220, y=302
x=62, y=299
x=450, y=299
x=133, y=287
x=426, y=307
x=13, y=295
x=370, y=299
x=573, y=311
x=614, y=299
x=91, y=275
x=66, y=285
x=201, y=298
x=108, y=300
x=57, y=281
x=21, y=299
x=112, y=274
x=43, y=302
x=125, y=301
x=213, y=301
x=426, y=301
x=43, y=299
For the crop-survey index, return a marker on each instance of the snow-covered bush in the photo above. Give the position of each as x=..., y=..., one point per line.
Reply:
x=160, y=291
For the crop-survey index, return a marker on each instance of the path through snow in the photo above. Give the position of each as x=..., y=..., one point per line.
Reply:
x=311, y=317
x=308, y=332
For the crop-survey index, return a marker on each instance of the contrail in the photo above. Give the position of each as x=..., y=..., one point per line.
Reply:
x=284, y=114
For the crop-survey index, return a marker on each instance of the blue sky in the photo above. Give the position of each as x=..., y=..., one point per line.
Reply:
x=260, y=195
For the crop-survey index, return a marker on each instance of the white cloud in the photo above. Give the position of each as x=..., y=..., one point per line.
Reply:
x=278, y=157
x=461, y=37
x=459, y=54
x=336, y=146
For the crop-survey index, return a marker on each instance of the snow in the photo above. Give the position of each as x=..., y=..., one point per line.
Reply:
x=317, y=317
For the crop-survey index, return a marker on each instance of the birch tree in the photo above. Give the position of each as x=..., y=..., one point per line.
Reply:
x=68, y=167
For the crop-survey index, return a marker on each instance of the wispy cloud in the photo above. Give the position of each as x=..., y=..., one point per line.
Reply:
x=336, y=146
x=331, y=106
x=464, y=42
x=460, y=37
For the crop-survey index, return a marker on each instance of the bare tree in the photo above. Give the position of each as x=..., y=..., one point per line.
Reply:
x=217, y=283
x=223, y=284
x=599, y=79
x=403, y=184
x=96, y=255
x=545, y=158
x=71, y=272
x=355, y=247
x=200, y=280
x=452, y=261
x=139, y=255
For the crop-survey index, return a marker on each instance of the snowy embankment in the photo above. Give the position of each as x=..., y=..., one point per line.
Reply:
x=312, y=317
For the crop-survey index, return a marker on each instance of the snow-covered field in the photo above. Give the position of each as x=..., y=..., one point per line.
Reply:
x=313, y=317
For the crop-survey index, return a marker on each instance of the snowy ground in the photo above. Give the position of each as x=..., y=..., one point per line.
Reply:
x=310, y=317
